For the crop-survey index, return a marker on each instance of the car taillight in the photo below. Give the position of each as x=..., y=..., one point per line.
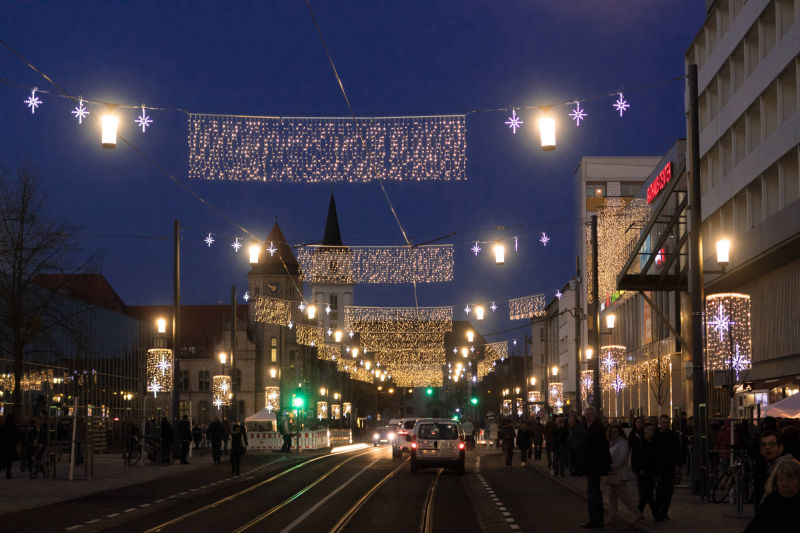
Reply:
x=414, y=445
x=460, y=445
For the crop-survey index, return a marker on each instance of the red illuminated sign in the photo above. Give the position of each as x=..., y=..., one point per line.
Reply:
x=659, y=183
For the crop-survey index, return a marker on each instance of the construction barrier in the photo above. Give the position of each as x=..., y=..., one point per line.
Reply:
x=307, y=440
x=264, y=440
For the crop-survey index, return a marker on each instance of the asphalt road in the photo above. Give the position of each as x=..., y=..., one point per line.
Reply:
x=362, y=490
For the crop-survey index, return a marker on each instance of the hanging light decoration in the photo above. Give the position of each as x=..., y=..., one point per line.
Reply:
x=221, y=390
x=470, y=336
x=499, y=253
x=587, y=384
x=161, y=324
x=556, y=393
x=547, y=131
x=337, y=335
x=272, y=397
x=108, y=124
x=336, y=411
x=728, y=336
x=159, y=370
x=322, y=410
x=255, y=251
x=312, y=311
x=479, y=311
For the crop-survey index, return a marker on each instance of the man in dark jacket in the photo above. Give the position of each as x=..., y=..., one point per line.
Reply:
x=643, y=462
x=549, y=440
x=9, y=437
x=506, y=437
x=215, y=435
x=238, y=445
x=668, y=451
x=597, y=463
x=524, y=443
x=537, y=431
x=185, y=434
x=166, y=441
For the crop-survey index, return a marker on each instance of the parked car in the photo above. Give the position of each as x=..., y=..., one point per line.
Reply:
x=438, y=442
x=402, y=442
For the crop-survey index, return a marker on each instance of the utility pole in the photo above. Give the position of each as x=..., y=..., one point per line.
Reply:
x=577, y=318
x=235, y=410
x=696, y=288
x=597, y=400
x=176, y=321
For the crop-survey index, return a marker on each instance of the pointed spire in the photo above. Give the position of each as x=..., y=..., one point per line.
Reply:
x=272, y=264
x=332, y=235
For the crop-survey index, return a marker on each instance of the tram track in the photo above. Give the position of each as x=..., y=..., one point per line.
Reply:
x=213, y=505
x=426, y=524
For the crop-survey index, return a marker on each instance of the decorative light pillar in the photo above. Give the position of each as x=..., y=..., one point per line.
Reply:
x=272, y=397
x=159, y=370
x=728, y=337
x=221, y=390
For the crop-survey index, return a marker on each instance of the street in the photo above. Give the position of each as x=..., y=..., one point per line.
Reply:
x=360, y=490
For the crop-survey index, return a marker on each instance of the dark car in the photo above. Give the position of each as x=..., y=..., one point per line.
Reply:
x=384, y=435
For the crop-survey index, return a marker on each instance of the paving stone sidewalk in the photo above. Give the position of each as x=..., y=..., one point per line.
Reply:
x=687, y=512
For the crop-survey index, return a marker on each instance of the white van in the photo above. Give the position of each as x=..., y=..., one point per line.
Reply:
x=438, y=442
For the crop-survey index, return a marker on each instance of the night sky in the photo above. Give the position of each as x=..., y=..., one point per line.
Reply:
x=395, y=58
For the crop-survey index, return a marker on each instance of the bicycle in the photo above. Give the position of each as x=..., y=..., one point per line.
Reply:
x=39, y=463
x=133, y=451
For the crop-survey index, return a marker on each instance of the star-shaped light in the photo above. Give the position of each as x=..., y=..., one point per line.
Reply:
x=720, y=322
x=472, y=349
x=163, y=365
x=455, y=350
x=559, y=294
x=272, y=249
x=144, y=121
x=467, y=309
x=155, y=386
x=738, y=362
x=516, y=243
x=33, y=101
x=246, y=296
x=236, y=245
x=544, y=239
x=515, y=342
x=513, y=121
x=217, y=402
x=302, y=306
x=80, y=112
x=578, y=114
x=493, y=307
x=476, y=249
x=327, y=309
x=290, y=324
x=618, y=383
x=330, y=332
x=209, y=240
x=351, y=334
x=621, y=105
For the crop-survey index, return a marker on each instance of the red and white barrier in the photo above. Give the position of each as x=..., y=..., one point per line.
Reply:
x=308, y=440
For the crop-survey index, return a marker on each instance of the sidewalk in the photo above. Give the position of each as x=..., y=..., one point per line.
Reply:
x=687, y=512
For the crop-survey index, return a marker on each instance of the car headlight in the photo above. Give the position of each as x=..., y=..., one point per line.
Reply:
x=391, y=436
x=376, y=436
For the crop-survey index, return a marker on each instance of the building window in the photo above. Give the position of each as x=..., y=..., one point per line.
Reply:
x=629, y=189
x=334, y=301
x=241, y=411
x=185, y=408
x=273, y=350
x=204, y=380
x=237, y=381
x=595, y=190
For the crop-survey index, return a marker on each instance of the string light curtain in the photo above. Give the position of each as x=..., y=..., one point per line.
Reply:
x=336, y=411
x=612, y=358
x=556, y=394
x=526, y=307
x=322, y=410
x=272, y=398
x=273, y=311
x=313, y=150
x=430, y=356
x=534, y=399
x=377, y=264
x=423, y=375
x=618, y=223
x=390, y=342
x=587, y=383
x=159, y=370
x=728, y=334
x=329, y=352
x=356, y=371
x=398, y=319
x=221, y=390
x=309, y=335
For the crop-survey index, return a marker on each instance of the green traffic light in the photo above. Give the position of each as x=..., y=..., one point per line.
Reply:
x=473, y=400
x=429, y=391
x=298, y=402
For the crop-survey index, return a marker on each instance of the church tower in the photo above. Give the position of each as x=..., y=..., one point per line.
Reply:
x=333, y=289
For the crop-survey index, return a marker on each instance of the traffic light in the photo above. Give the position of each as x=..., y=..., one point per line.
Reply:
x=298, y=401
x=474, y=400
x=429, y=391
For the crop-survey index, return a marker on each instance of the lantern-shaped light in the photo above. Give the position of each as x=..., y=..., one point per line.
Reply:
x=367, y=364
x=273, y=372
x=312, y=311
x=533, y=381
x=223, y=357
x=470, y=336
x=555, y=371
x=611, y=320
x=723, y=251
x=337, y=335
x=499, y=254
x=479, y=310
x=161, y=324
x=547, y=132
x=464, y=352
x=354, y=352
x=255, y=251
x=589, y=353
x=109, y=123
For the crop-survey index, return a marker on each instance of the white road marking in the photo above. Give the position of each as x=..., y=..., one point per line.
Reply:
x=161, y=500
x=93, y=521
x=146, y=505
x=513, y=526
x=509, y=519
x=112, y=515
x=129, y=510
x=506, y=514
x=73, y=527
x=326, y=498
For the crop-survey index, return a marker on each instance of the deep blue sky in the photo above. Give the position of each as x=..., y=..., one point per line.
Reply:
x=403, y=57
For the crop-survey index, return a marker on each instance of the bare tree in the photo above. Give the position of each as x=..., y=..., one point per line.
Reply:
x=31, y=317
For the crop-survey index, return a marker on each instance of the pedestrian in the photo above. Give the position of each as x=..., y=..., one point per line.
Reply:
x=286, y=433
x=561, y=451
x=9, y=438
x=226, y=434
x=620, y=473
x=637, y=432
x=167, y=439
x=215, y=436
x=643, y=462
x=185, y=434
x=537, y=430
x=576, y=436
x=771, y=450
x=506, y=437
x=28, y=435
x=549, y=441
x=668, y=451
x=238, y=447
x=597, y=463
x=197, y=436
x=524, y=443
x=778, y=510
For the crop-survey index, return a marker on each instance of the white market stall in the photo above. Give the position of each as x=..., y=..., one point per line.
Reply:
x=786, y=408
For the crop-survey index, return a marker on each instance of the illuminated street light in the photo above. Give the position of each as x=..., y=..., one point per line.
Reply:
x=223, y=357
x=470, y=336
x=723, y=251
x=611, y=320
x=479, y=310
x=547, y=132
x=109, y=123
x=555, y=371
x=499, y=254
x=255, y=251
x=161, y=324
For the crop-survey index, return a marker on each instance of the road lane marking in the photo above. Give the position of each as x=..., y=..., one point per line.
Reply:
x=146, y=505
x=325, y=499
x=73, y=527
x=129, y=510
x=161, y=500
x=112, y=515
x=93, y=521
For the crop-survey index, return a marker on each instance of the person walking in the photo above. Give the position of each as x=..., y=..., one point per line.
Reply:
x=576, y=436
x=668, y=452
x=561, y=451
x=197, y=436
x=771, y=450
x=537, y=431
x=524, y=443
x=167, y=439
x=620, y=473
x=185, y=434
x=9, y=437
x=28, y=435
x=549, y=441
x=238, y=447
x=778, y=511
x=643, y=462
x=286, y=433
x=506, y=437
x=214, y=435
x=597, y=463
x=226, y=434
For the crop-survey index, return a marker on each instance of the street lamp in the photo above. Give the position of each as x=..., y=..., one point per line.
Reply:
x=589, y=353
x=464, y=352
x=499, y=253
x=161, y=324
x=471, y=334
x=611, y=320
x=312, y=311
x=109, y=123
x=547, y=132
x=222, y=358
x=533, y=381
x=723, y=252
x=255, y=250
x=273, y=372
x=479, y=310
x=555, y=371
x=337, y=335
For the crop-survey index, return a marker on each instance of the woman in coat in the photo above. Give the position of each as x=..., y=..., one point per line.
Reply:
x=778, y=511
x=620, y=473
